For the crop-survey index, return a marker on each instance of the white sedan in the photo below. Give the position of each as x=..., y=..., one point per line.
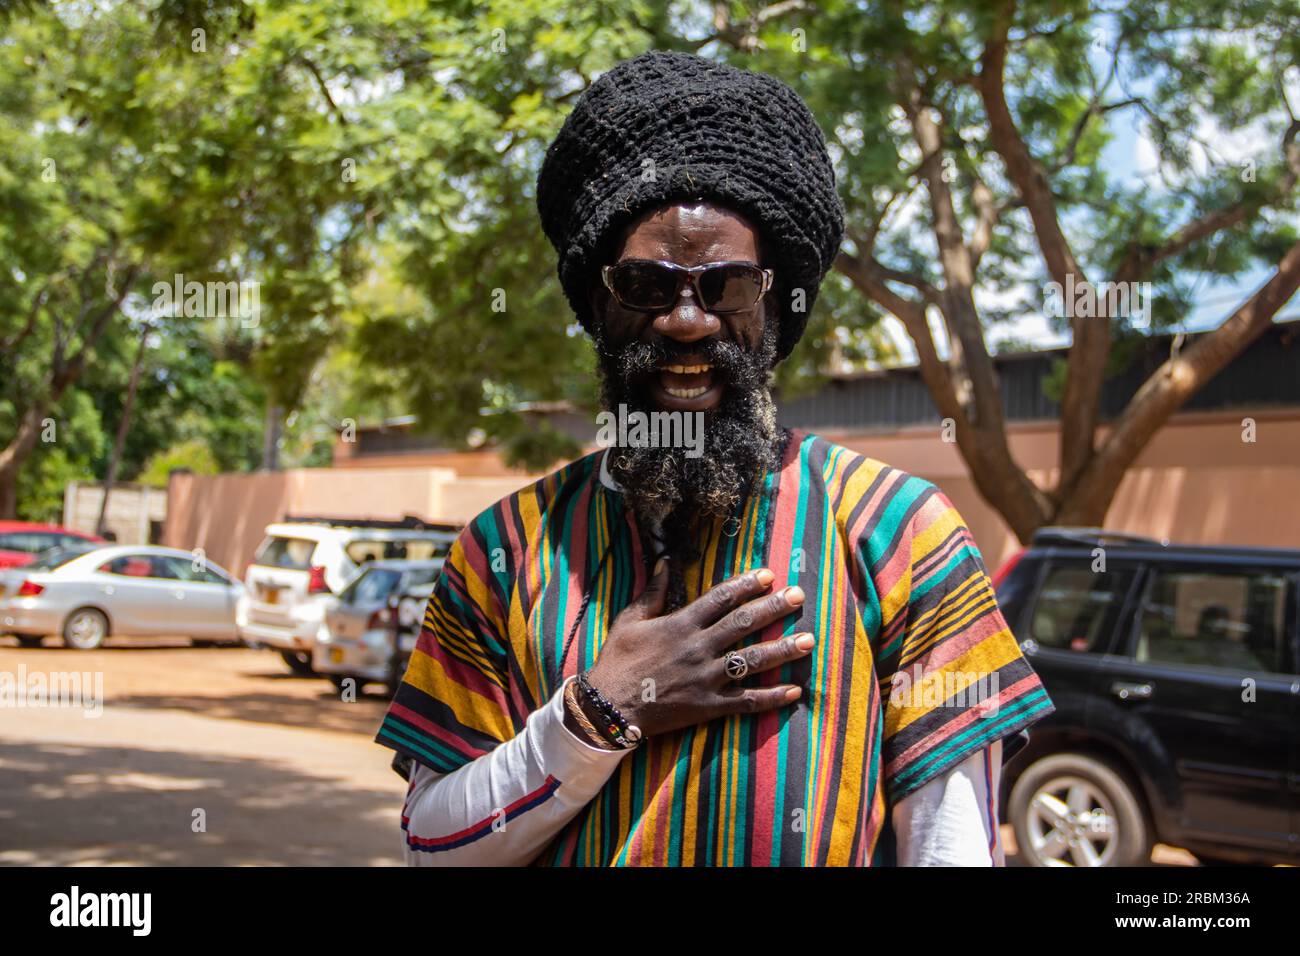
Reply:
x=87, y=596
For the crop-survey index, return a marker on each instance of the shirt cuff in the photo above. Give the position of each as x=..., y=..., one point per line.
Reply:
x=573, y=762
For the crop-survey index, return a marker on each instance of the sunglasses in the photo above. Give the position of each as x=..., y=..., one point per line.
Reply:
x=651, y=285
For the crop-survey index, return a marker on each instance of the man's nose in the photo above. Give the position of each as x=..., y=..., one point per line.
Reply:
x=687, y=321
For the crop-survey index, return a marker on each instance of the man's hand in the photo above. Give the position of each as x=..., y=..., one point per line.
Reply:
x=683, y=652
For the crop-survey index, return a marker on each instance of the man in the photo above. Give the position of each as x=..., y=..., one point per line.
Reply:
x=767, y=650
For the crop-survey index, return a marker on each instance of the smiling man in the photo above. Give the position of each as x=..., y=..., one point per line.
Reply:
x=768, y=650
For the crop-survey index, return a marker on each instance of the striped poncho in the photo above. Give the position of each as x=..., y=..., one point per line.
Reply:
x=914, y=667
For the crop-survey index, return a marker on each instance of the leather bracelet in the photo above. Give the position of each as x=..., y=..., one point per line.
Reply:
x=575, y=708
x=615, y=725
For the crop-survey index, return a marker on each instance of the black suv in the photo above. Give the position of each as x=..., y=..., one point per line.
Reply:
x=1175, y=670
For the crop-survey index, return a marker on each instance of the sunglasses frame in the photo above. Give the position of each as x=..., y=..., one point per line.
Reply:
x=692, y=277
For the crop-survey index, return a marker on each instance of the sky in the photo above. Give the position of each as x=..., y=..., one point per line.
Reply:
x=1132, y=154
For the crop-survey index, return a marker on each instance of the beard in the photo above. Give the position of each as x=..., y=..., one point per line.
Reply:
x=664, y=486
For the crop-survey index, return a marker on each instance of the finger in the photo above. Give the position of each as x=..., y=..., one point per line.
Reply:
x=650, y=602
x=769, y=654
x=708, y=608
x=754, y=700
x=754, y=616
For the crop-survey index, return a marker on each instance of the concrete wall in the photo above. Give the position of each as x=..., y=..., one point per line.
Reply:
x=226, y=515
x=1197, y=482
x=131, y=509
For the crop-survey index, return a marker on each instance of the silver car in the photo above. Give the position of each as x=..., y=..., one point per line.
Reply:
x=357, y=639
x=118, y=590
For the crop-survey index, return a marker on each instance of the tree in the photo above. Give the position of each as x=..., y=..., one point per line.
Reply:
x=138, y=143
x=995, y=115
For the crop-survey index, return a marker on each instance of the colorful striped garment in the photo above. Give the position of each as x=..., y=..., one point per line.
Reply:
x=914, y=667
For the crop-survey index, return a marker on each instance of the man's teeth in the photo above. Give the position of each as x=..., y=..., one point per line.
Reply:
x=685, y=392
x=687, y=369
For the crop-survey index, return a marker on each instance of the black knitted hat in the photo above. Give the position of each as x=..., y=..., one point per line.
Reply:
x=671, y=127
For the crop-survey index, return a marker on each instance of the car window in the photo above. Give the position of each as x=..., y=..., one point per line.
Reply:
x=213, y=576
x=373, y=587
x=1213, y=618
x=31, y=542
x=278, y=552
x=141, y=566
x=426, y=575
x=56, y=558
x=185, y=570
x=1077, y=607
x=362, y=550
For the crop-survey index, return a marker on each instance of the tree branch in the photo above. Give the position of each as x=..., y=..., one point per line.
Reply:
x=1177, y=380
x=324, y=88
x=1080, y=403
x=1139, y=259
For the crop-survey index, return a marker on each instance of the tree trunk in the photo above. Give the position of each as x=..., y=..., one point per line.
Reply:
x=123, y=427
x=12, y=458
x=271, y=438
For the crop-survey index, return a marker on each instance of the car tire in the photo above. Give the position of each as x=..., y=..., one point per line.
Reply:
x=29, y=640
x=85, y=629
x=1054, y=810
x=299, y=662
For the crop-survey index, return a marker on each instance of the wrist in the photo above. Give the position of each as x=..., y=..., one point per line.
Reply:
x=609, y=721
x=580, y=723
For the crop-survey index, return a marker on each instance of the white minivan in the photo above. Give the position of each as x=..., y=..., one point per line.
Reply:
x=301, y=566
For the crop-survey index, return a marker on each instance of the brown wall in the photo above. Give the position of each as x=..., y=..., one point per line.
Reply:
x=1197, y=482
x=226, y=515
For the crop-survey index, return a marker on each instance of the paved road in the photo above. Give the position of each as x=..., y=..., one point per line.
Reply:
x=284, y=770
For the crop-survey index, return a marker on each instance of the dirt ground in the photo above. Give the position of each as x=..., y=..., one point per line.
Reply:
x=283, y=770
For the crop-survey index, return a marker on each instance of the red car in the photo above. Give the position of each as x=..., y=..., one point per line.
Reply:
x=22, y=541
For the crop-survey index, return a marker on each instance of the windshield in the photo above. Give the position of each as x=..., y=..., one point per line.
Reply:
x=277, y=552
x=373, y=587
x=404, y=549
x=56, y=558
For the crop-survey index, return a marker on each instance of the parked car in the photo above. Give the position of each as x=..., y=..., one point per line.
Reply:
x=86, y=596
x=22, y=541
x=1175, y=670
x=359, y=636
x=302, y=565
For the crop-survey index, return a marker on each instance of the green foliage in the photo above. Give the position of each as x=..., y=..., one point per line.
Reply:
x=372, y=163
x=191, y=455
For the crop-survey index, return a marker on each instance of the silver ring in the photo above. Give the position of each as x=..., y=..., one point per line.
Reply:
x=736, y=664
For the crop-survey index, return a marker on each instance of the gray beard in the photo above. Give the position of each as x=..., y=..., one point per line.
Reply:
x=679, y=494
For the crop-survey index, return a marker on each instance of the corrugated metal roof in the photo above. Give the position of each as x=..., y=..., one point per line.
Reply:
x=1266, y=374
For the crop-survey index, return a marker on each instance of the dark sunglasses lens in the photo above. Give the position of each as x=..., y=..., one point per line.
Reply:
x=643, y=285
x=731, y=288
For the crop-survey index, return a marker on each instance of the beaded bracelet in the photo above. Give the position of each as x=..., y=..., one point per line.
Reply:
x=575, y=708
x=614, y=724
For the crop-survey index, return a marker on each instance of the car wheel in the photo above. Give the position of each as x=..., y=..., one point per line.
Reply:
x=85, y=629
x=1074, y=810
x=28, y=640
x=299, y=662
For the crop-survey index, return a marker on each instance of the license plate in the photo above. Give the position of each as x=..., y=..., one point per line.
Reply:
x=271, y=595
x=336, y=655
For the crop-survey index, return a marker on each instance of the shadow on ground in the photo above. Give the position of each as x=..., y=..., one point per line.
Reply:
x=81, y=805
x=324, y=711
